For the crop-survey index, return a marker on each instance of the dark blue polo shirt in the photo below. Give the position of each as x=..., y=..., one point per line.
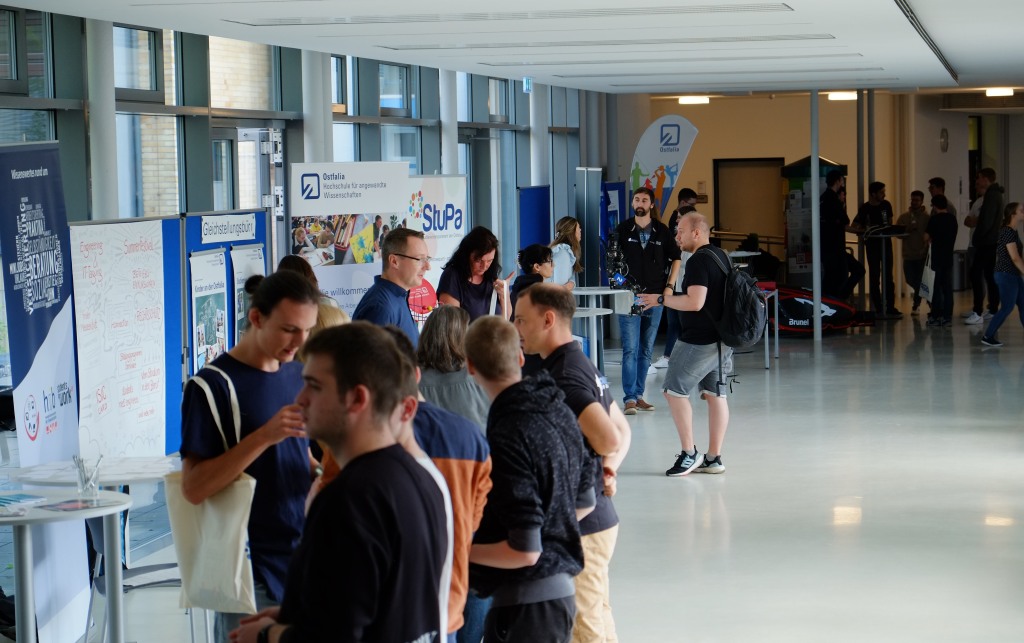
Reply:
x=388, y=303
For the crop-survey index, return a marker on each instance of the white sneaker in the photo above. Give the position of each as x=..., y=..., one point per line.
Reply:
x=661, y=363
x=966, y=313
x=651, y=371
x=974, y=319
x=988, y=315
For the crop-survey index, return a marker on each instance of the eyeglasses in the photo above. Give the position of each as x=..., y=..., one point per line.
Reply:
x=423, y=260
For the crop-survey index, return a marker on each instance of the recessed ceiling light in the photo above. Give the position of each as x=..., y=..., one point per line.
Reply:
x=842, y=95
x=694, y=100
x=999, y=91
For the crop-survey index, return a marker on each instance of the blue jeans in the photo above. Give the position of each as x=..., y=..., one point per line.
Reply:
x=1011, y=293
x=942, y=294
x=474, y=614
x=638, y=333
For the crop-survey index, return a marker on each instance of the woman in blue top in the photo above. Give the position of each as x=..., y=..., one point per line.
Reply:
x=566, y=252
x=471, y=276
x=1009, y=273
x=239, y=414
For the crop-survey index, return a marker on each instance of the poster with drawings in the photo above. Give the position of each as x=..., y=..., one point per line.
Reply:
x=119, y=322
x=246, y=261
x=209, y=306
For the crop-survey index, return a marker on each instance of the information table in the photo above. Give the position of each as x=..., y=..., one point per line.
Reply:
x=592, y=295
x=59, y=506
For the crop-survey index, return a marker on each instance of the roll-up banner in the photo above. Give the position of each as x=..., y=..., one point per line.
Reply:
x=35, y=246
x=659, y=159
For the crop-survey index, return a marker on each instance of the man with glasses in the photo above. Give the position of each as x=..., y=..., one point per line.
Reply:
x=404, y=258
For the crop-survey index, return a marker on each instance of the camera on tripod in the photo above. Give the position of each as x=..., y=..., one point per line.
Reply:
x=618, y=273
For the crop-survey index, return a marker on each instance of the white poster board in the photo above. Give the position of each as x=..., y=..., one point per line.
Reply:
x=246, y=261
x=209, y=306
x=119, y=323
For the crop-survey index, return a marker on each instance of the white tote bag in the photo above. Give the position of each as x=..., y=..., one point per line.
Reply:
x=927, y=287
x=211, y=540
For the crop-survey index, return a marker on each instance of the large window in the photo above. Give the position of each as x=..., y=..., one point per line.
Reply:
x=147, y=166
x=338, y=80
x=135, y=55
x=25, y=126
x=243, y=75
x=37, y=27
x=463, y=97
x=497, y=100
x=344, y=142
x=13, y=59
x=401, y=143
x=394, y=90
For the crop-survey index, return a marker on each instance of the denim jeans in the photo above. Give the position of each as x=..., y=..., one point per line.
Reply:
x=942, y=294
x=638, y=333
x=474, y=615
x=1011, y=293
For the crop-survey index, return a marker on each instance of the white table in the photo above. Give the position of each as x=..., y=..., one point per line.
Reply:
x=591, y=315
x=25, y=608
x=592, y=295
x=771, y=294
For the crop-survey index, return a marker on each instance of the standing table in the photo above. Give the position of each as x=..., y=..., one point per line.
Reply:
x=25, y=608
x=592, y=294
x=591, y=315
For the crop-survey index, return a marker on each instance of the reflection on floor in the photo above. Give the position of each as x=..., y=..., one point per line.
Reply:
x=874, y=491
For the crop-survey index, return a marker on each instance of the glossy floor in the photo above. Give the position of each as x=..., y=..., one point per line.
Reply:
x=874, y=491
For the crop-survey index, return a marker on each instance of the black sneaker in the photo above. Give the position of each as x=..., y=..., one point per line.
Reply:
x=991, y=341
x=685, y=463
x=711, y=466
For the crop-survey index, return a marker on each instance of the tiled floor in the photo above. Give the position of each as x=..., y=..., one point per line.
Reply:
x=874, y=492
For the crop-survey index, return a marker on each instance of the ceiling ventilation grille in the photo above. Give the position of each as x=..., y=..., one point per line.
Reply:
x=672, y=61
x=604, y=44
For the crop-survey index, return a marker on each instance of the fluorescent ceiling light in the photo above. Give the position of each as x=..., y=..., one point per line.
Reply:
x=842, y=95
x=999, y=91
x=694, y=100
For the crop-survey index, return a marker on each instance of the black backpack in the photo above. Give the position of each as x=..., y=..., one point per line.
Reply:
x=744, y=310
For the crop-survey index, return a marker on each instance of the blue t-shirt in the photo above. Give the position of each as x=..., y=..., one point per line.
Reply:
x=282, y=471
x=387, y=303
x=475, y=299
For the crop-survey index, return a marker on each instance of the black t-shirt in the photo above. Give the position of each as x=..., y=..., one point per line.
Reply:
x=942, y=229
x=370, y=561
x=833, y=223
x=583, y=385
x=1006, y=236
x=703, y=270
x=873, y=215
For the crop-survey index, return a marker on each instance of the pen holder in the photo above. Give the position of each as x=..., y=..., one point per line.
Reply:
x=88, y=478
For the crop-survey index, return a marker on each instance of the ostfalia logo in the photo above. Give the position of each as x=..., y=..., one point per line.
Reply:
x=310, y=186
x=670, y=135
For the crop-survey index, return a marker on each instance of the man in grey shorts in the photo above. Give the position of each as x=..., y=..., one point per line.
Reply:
x=694, y=367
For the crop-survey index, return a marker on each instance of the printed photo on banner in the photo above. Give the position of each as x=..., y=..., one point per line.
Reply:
x=659, y=158
x=340, y=239
x=246, y=261
x=209, y=307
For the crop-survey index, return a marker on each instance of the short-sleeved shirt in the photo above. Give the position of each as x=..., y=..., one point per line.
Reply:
x=583, y=385
x=703, y=270
x=282, y=471
x=942, y=230
x=370, y=564
x=475, y=299
x=1006, y=236
x=387, y=303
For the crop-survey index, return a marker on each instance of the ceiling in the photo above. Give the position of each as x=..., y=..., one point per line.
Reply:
x=650, y=46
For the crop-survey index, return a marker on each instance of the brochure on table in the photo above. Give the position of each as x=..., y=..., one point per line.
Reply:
x=340, y=213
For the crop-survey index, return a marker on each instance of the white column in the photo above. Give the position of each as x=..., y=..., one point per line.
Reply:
x=99, y=57
x=317, y=119
x=449, y=89
x=540, y=139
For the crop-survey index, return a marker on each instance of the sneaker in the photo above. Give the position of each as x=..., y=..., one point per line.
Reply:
x=974, y=319
x=947, y=323
x=711, y=466
x=892, y=312
x=661, y=363
x=934, y=321
x=685, y=463
x=988, y=316
x=967, y=313
x=643, y=405
x=651, y=370
x=991, y=341
x=630, y=408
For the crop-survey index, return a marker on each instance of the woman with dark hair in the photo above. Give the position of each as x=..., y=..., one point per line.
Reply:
x=295, y=263
x=535, y=261
x=253, y=387
x=444, y=380
x=470, y=279
x=566, y=252
x=1009, y=273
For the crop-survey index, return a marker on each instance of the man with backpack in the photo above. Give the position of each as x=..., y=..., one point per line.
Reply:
x=700, y=361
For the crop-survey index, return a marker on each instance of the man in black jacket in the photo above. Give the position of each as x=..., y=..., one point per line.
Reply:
x=527, y=548
x=986, y=228
x=649, y=250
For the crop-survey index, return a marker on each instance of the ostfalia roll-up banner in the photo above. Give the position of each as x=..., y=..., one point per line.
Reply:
x=339, y=214
x=120, y=318
x=35, y=246
x=659, y=159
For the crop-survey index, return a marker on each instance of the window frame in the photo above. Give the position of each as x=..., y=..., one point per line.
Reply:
x=19, y=84
x=155, y=95
x=406, y=111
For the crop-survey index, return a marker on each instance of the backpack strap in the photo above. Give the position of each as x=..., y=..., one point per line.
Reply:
x=204, y=386
x=714, y=255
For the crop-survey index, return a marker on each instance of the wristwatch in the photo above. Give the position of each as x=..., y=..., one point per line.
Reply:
x=661, y=299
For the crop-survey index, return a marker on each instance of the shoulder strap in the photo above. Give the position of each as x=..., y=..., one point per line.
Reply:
x=215, y=410
x=714, y=255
